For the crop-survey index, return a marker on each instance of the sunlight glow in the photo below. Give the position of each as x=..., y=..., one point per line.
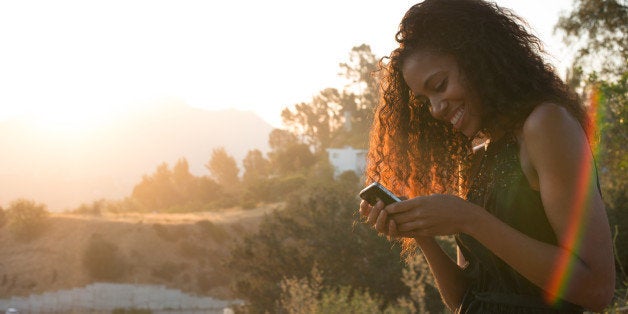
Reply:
x=249, y=55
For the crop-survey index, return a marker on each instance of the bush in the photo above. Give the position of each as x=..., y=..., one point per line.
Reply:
x=211, y=230
x=3, y=217
x=311, y=296
x=424, y=296
x=281, y=187
x=96, y=208
x=102, y=260
x=170, y=233
x=317, y=227
x=26, y=219
x=192, y=250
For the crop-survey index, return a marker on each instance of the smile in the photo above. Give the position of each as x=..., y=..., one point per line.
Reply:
x=456, y=118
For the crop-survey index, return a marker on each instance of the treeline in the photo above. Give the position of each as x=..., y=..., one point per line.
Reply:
x=263, y=180
x=333, y=118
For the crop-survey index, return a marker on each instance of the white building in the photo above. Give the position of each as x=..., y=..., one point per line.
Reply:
x=347, y=158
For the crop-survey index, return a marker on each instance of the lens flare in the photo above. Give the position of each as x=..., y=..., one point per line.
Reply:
x=586, y=185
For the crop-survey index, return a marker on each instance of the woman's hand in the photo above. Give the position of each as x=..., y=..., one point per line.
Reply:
x=375, y=216
x=432, y=215
x=370, y=213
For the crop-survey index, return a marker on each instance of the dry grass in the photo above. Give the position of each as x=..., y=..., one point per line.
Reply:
x=184, y=261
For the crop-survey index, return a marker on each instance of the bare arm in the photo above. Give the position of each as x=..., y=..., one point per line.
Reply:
x=582, y=262
x=451, y=284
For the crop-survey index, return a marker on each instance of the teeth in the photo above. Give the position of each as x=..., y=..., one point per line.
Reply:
x=454, y=120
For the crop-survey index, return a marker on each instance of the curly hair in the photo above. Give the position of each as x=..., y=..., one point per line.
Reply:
x=416, y=154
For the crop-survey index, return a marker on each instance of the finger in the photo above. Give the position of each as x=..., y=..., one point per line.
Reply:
x=365, y=208
x=404, y=217
x=372, y=218
x=392, y=229
x=380, y=224
x=403, y=206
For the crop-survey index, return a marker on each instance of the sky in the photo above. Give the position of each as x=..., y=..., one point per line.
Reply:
x=68, y=61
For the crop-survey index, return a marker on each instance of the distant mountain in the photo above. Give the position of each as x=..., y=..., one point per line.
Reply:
x=64, y=171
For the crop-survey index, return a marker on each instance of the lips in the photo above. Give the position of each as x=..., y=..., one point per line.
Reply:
x=456, y=116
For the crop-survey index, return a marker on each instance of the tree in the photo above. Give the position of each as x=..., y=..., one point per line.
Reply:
x=604, y=26
x=336, y=118
x=176, y=190
x=316, y=121
x=157, y=191
x=26, y=219
x=362, y=95
x=278, y=139
x=256, y=167
x=190, y=189
x=181, y=175
x=3, y=217
x=256, y=177
x=223, y=169
x=316, y=227
x=288, y=155
x=600, y=71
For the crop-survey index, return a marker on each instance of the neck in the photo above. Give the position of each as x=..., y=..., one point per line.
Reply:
x=497, y=129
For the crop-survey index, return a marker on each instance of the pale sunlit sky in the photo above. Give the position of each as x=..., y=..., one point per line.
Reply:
x=84, y=60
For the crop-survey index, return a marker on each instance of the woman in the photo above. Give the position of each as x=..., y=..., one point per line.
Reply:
x=524, y=207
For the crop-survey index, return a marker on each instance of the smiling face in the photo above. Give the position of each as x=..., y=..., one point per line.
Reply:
x=438, y=78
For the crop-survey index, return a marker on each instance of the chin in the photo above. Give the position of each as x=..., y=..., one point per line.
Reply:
x=470, y=133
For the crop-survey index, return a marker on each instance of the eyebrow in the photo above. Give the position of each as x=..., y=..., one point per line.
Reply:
x=430, y=78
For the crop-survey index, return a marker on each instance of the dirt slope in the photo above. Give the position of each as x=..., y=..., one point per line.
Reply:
x=181, y=251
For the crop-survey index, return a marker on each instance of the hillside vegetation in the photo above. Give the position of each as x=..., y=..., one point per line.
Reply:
x=181, y=251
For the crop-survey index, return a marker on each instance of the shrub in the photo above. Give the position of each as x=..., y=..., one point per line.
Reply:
x=317, y=226
x=26, y=219
x=192, y=250
x=310, y=295
x=213, y=231
x=274, y=189
x=170, y=233
x=102, y=260
x=424, y=296
x=96, y=208
x=3, y=217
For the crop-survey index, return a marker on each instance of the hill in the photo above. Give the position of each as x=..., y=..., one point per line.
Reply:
x=64, y=170
x=179, y=251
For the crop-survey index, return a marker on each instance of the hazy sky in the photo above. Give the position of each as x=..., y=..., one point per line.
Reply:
x=83, y=60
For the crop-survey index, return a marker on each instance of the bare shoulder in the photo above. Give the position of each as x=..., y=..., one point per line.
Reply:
x=553, y=139
x=548, y=121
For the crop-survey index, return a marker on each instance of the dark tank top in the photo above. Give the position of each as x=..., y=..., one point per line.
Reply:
x=500, y=186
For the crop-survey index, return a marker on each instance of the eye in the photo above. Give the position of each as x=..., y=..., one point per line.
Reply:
x=442, y=86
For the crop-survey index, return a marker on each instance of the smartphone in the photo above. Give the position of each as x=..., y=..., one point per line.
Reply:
x=376, y=191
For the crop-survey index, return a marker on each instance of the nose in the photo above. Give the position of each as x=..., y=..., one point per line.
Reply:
x=438, y=107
